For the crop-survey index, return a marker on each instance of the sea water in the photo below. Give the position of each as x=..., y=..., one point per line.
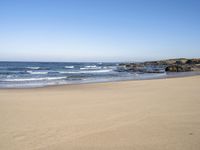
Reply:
x=40, y=74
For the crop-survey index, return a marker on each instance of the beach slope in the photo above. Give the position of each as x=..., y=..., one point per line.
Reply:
x=161, y=114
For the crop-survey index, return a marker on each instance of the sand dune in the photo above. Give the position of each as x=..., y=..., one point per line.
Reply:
x=131, y=115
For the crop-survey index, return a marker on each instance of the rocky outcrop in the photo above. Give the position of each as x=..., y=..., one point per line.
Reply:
x=193, y=61
x=170, y=65
x=177, y=68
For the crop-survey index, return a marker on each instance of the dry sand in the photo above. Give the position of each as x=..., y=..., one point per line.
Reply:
x=131, y=115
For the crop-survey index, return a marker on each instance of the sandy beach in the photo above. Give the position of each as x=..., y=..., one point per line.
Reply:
x=161, y=114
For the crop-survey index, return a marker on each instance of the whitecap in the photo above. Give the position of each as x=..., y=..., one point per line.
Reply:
x=69, y=67
x=34, y=72
x=86, y=71
x=34, y=79
x=91, y=68
x=34, y=68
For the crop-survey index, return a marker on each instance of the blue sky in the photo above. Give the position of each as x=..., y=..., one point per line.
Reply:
x=99, y=30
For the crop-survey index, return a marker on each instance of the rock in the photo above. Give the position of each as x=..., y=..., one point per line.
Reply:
x=174, y=68
x=178, y=68
x=170, y=65
x=193, y=61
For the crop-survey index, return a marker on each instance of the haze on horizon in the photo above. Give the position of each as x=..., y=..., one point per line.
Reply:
x=101, y=30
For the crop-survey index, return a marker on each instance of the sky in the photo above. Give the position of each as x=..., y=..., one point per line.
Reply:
x=99, y=30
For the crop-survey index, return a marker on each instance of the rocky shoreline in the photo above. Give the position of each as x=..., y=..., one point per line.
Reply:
x=161, y=66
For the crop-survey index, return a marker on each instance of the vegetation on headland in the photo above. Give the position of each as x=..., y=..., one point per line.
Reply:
x=169, y=65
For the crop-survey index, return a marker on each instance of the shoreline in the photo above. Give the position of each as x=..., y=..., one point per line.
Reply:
x=34, y=74
x=175, y=75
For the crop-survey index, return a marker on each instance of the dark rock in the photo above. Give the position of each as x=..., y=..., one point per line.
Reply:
x=193, y=61
x=177, y=68
x=174, y=68
x=170, y=65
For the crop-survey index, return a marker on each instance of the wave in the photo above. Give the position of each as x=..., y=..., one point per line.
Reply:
x=33, y=72
x=69, y=67
x=86, y=71
x=110, y=67
x=33, y=68
x=34, y=79
x=90, y=67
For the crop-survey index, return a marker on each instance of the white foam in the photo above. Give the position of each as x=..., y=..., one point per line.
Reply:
x=110, y=67
x=34, y=68
x=69, y=67
x=34, y=72
x=86, y=71
x=92, y=67
x=34, y=79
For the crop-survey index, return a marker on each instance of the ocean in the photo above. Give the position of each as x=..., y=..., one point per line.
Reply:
x=40, y=74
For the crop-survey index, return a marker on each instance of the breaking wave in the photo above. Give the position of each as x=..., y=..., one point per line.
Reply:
x=33, y=68
x=34, y=72
x=34, y=79
x=85, y=71
x=69, y=67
